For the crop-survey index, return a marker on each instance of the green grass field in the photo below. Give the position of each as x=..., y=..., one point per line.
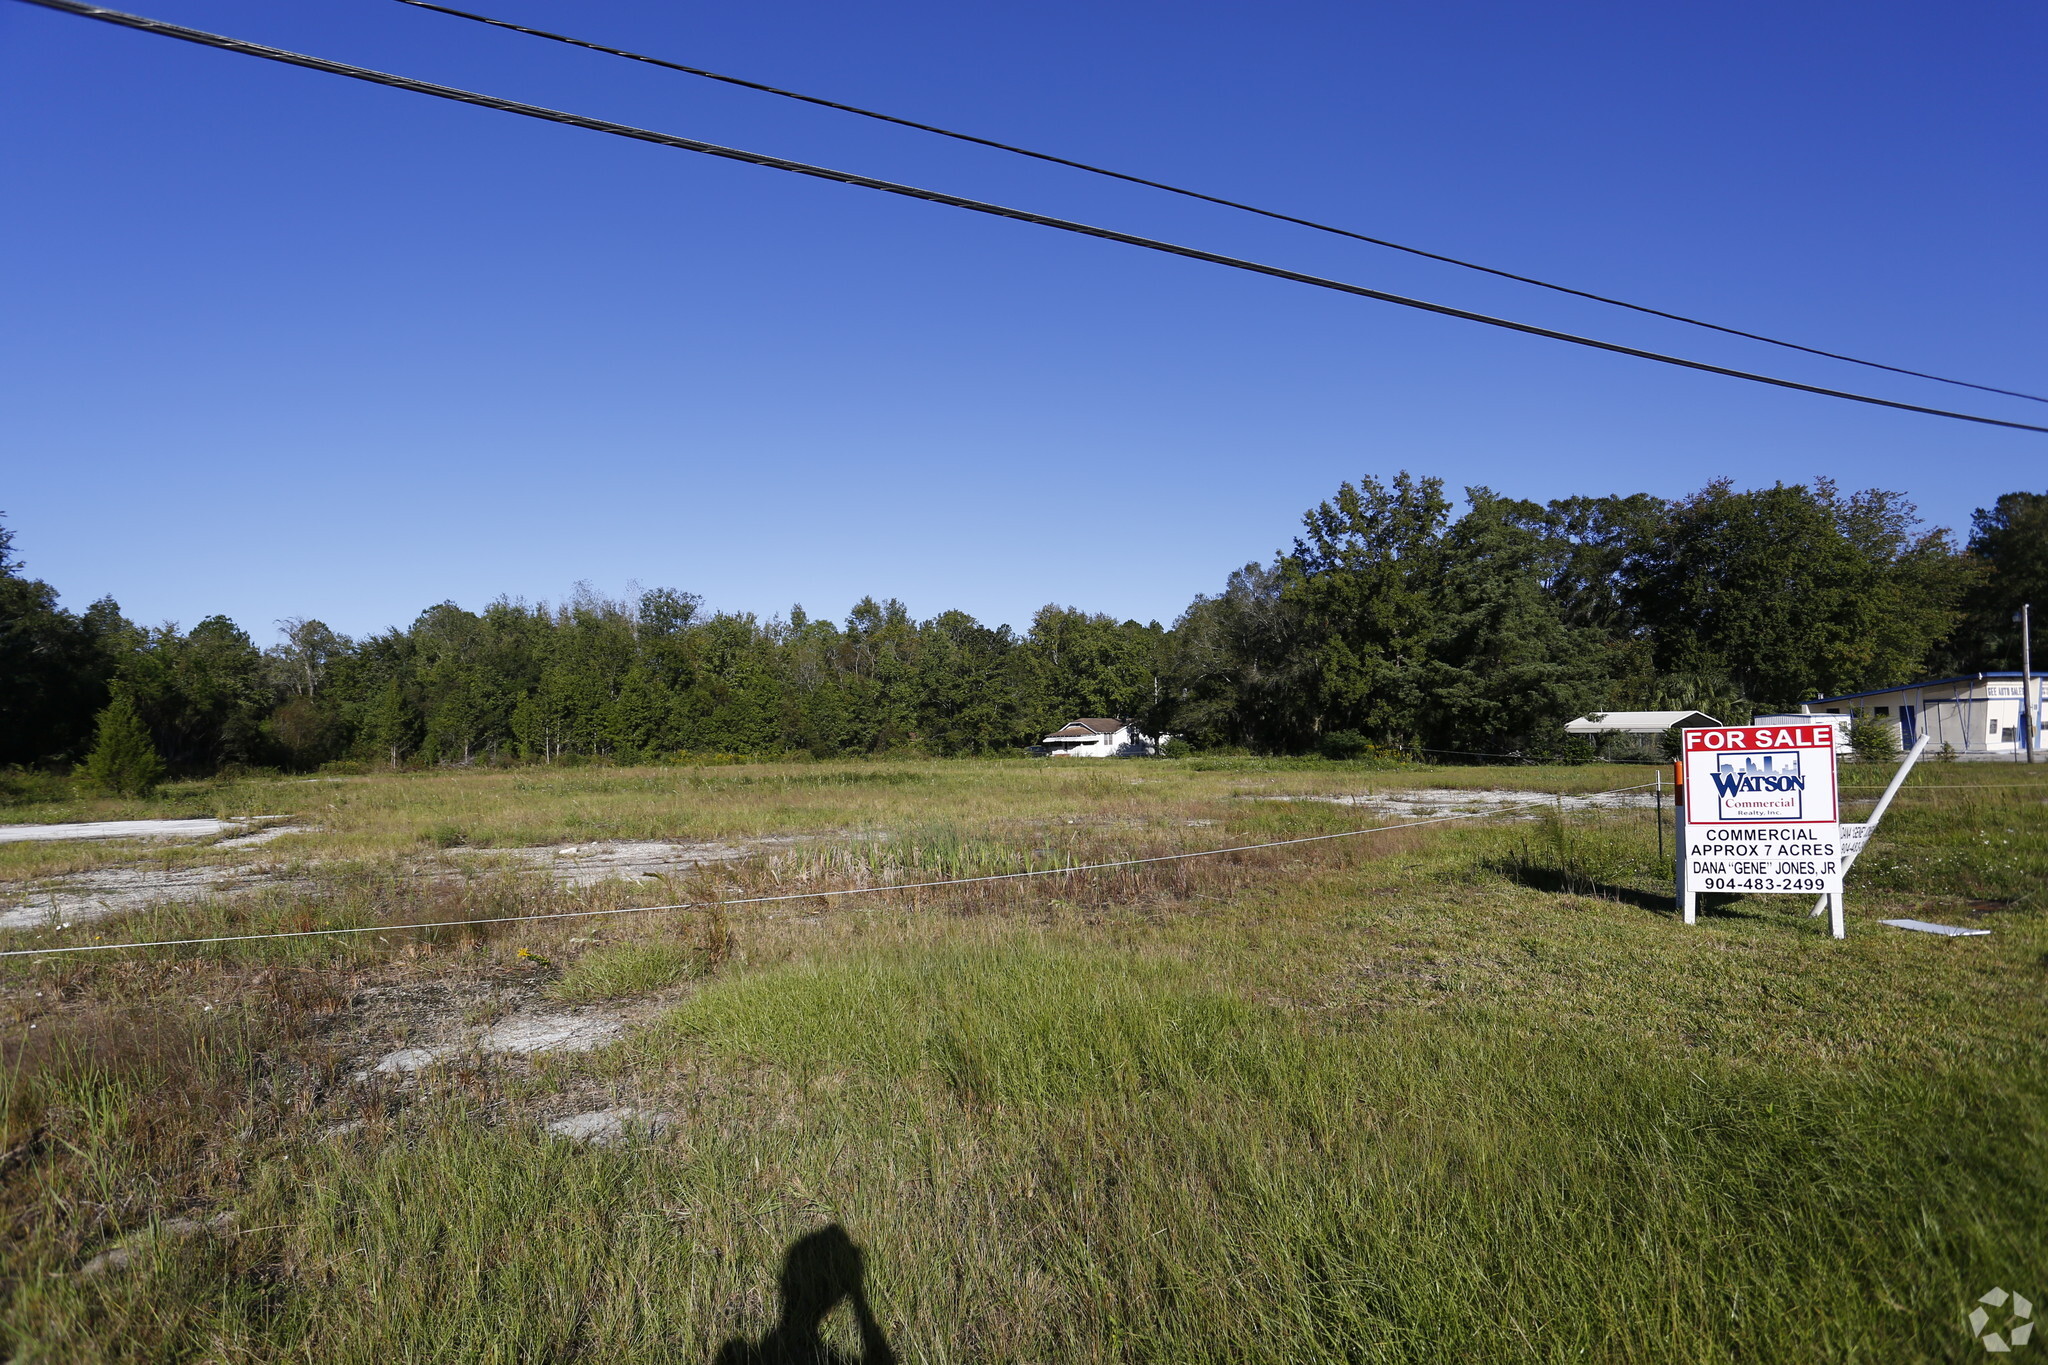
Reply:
x=1451, y=1093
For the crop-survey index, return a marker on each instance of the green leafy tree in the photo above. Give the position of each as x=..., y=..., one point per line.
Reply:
x=54, y=666
x=877, y=663
x=305, y=726
x=1239, y=668
x=124, y=761
x=970, y=682
x=1796, y=592
x=1088, y=664
x=1365, y=576
x=735, y=705
x=1506, y=669
x=636, y=720
x=392, y=725
x=2009, y=548
x=203, y=693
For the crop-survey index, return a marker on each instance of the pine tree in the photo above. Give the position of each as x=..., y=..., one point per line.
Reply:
x=123, y=762
x=392, y=726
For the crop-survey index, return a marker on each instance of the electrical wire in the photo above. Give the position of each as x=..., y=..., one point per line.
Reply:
x=534, y=111
x=794, y=896
x=1205, y=198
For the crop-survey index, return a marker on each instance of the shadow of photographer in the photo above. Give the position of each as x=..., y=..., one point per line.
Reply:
x=822, y=1270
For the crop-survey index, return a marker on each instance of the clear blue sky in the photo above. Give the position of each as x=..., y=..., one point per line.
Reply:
x=274, y=343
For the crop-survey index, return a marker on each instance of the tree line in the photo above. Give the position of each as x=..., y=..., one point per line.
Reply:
x=1394, y=621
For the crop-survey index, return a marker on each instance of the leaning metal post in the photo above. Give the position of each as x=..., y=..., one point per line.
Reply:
x=1854, y=837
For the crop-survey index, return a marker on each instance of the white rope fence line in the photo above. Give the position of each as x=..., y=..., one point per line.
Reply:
x=1946, y=786
x=799, y=895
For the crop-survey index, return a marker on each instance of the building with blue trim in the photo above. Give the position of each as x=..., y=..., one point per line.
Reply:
x=1976, y=715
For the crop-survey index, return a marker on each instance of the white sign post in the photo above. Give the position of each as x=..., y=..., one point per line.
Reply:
x=1759, y=812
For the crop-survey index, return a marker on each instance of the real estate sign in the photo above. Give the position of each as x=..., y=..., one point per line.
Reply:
x=1761, y=813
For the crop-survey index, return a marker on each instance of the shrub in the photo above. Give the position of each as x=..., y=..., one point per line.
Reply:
x=1873, y=741
x=123, y=762
x=1344, y=744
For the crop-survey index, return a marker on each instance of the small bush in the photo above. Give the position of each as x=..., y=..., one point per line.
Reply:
x=124, y=761
x=1873, y=741
x=27, y=787
x=1344, y=745
x=627, y=969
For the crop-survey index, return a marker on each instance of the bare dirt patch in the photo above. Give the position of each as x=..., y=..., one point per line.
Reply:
x=1415, y=803
x=628, y=860
x=83, y=897
x=88, y=896
x=398, y=1029
x=205, y=828
x=521, y=1035
x=610, y=1127
x=264, y=836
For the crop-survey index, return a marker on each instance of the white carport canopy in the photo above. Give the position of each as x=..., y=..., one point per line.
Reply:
x=1635, y=722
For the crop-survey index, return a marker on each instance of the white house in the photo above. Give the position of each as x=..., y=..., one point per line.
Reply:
x=1974, y=715
x=1099, y=737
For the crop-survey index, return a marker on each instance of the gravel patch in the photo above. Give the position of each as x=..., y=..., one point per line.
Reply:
x=411, y=1059
x=519, y=1036
x=264, y=836
x=1415, y=803
x=609, y=1127
x=88, y=896
x=549, y=1033
x=626, y=860
x=125, y=829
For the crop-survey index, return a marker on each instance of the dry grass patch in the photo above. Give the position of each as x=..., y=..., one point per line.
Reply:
x=1438, y=1094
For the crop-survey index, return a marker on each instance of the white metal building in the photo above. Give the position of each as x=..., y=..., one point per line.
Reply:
x=1975, y=715
x=1647, y=727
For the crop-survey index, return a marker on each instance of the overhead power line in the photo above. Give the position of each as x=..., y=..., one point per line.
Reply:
x=1205, y=198
x=596, y=125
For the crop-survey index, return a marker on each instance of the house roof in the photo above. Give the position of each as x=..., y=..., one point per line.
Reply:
x=1633, y=722
x=1904, y=687
x=1091, y=727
